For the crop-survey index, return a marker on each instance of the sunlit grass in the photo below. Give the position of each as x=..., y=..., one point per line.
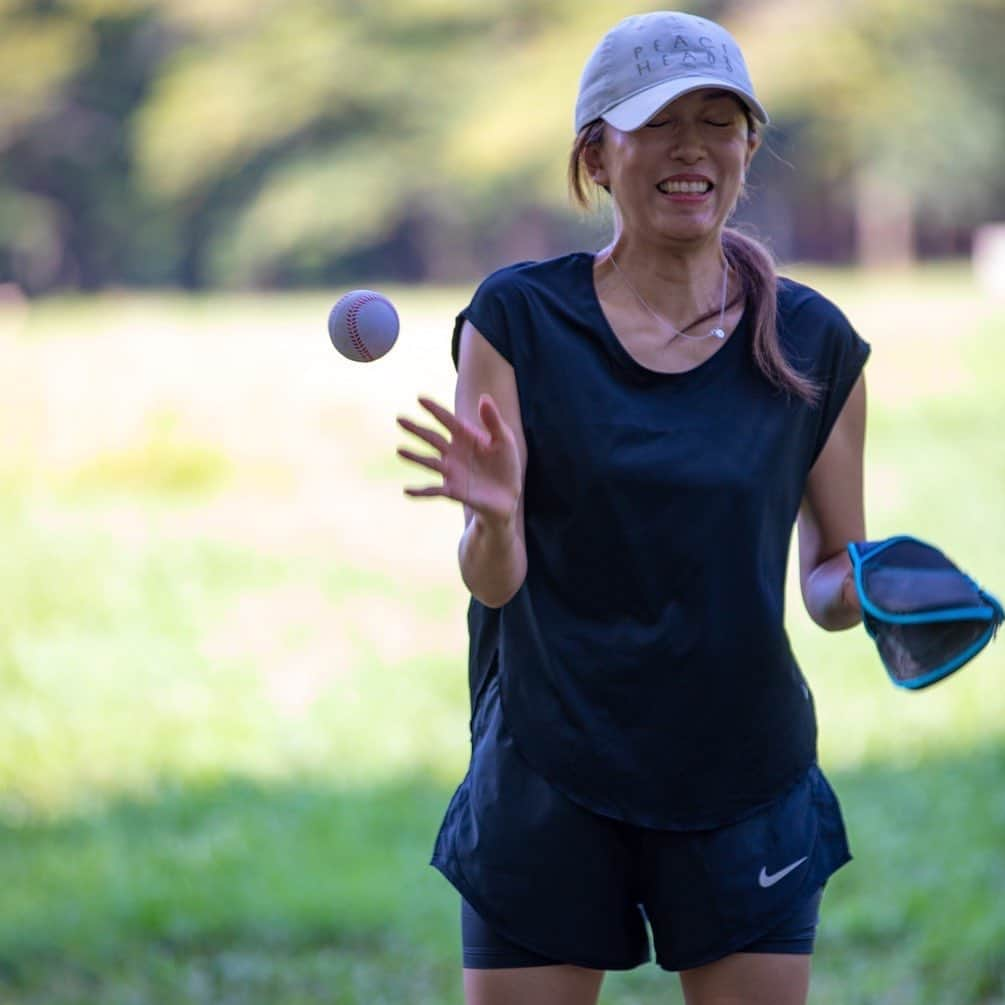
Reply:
x=163, y=463
x=232, y=661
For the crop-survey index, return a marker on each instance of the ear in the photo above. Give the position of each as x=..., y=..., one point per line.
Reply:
x=753, y=142
x=593, y=157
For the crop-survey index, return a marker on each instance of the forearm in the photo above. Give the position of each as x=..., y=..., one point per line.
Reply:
x=493, y=560
x=829, y=594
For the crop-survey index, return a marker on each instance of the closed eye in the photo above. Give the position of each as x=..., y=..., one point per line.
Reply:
x=709, y=122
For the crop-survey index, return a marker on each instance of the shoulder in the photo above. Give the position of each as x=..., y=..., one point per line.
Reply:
x=523, y=277
x=813, y=328
x=515, y=297
x=820, y=340
x=801, y=304
x=823, y=343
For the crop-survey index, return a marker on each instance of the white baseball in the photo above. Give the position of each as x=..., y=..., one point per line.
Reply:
x=363, y=325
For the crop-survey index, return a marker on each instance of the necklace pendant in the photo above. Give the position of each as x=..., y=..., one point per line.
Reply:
x=717, y=333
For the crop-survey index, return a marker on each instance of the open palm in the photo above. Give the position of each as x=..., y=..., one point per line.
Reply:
x=478, y=467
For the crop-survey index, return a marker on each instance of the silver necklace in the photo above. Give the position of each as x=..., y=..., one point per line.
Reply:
x=718, y=331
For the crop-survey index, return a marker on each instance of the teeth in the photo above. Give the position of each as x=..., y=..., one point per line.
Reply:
x=690, y=187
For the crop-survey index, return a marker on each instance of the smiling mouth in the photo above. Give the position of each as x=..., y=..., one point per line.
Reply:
x=684, y=187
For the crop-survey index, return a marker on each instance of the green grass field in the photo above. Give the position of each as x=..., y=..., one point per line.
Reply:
x=232, y=681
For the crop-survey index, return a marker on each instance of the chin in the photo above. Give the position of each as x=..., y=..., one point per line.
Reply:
x=696, y=233
x=696, y=222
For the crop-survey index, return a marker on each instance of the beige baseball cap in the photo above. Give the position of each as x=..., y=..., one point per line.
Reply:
x=646, y=61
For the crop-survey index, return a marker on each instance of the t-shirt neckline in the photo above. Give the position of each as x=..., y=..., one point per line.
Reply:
x=619, y=350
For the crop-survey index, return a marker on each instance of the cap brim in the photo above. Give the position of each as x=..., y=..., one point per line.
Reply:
x=636, y=111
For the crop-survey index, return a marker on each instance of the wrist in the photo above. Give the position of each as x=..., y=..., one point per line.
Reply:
x=493, y=559
x=494, y=527
x=832, y=598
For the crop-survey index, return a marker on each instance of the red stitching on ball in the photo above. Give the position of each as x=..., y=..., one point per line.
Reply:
x=350, y=321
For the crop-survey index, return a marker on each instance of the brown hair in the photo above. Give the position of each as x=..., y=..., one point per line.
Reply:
x=749, y=258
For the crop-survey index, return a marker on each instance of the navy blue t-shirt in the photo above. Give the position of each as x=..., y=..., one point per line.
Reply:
x=644, y=666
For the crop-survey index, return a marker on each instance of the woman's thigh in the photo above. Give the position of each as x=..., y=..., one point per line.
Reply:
x=749, y=979
x=554, y=985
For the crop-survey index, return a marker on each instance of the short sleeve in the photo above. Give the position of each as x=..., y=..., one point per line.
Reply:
x=490, y=311
x=843, y=355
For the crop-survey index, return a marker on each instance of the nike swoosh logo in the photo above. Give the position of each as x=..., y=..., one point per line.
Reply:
x=764, y=880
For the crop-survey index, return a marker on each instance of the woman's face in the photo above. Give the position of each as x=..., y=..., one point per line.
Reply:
x=677, y=177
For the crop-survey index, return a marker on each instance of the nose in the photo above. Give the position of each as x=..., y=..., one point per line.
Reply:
x=686, y=144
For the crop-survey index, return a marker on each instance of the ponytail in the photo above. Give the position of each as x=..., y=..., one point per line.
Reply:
x=754, y=266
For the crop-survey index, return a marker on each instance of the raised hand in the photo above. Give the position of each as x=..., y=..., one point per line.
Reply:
x=479, y=467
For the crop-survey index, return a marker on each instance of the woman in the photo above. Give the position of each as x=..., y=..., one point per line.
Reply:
x=635, y=434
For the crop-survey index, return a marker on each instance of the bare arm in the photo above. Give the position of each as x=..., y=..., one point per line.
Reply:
x=492, y=553
x=482, y=465
x=832, y=514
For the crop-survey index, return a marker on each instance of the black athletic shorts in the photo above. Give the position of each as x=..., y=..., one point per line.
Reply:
x=485, y=949
x=571, y=886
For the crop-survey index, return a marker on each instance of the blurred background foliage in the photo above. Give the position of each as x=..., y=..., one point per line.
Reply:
x=223, y=143
x=232, y=696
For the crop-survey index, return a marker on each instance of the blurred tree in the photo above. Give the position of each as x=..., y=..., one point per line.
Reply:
x=38, y=55
x=902, y=105
x=70, y=75
x=297, y=141
x=311, y=129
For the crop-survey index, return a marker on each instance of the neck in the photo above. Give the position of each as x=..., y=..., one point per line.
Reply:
x=678, y=284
